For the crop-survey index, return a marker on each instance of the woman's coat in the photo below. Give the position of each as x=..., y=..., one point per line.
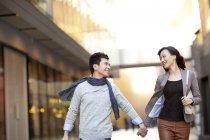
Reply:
x=156, y=102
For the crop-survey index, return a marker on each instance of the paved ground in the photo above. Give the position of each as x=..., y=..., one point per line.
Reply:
x=151, y=135
x=123, y=134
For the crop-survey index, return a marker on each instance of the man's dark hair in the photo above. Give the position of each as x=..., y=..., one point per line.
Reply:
x=179, y=58
x=96, y=59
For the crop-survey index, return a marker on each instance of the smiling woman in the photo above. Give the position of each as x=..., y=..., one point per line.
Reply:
x=171, y=96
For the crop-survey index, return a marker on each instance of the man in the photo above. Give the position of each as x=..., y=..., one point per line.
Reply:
x=95, y=97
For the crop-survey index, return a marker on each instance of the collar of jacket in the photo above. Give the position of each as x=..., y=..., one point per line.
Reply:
x=183, y=75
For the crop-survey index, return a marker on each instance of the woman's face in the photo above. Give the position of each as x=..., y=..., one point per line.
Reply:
x=166, y=59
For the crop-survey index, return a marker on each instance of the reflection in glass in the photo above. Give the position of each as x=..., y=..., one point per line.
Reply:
x=46, y=112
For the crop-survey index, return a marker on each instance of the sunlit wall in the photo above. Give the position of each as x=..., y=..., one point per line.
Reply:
x=130, y=32
x=77, y=18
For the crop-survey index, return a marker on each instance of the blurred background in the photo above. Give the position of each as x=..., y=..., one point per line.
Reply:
x=45, y=46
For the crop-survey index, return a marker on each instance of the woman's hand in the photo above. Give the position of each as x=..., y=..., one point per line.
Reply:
x=186, y=100
x=142, y=130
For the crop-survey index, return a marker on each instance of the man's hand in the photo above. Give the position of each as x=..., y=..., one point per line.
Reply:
x=142, y=130
x=65, y=136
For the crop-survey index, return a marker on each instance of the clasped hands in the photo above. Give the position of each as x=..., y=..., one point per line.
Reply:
x=142, y=130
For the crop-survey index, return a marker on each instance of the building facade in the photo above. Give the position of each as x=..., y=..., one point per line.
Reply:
x=201, y=55
x=37, y=59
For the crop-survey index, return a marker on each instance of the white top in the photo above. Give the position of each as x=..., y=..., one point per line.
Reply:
x=95, y=109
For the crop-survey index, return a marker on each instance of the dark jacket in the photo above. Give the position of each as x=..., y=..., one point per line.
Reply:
x=156, y=102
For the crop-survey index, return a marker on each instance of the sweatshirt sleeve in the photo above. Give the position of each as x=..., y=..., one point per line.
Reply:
x=72, y=111
x=126, y=106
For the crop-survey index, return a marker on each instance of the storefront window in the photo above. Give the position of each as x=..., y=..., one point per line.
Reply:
x=46, y=112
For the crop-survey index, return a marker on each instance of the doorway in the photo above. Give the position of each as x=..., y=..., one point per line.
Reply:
x=206, y=105
x=16, y=95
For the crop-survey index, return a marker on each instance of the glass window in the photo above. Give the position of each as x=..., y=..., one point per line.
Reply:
x=46, y=112
x=34, y=126
x=44, y=6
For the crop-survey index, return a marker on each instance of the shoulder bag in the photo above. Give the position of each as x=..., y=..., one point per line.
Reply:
x=189, y=109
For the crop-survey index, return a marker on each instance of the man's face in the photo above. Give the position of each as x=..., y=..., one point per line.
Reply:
x=103, y=69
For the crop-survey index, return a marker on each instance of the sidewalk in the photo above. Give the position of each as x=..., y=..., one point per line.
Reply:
x=151, y=135
x=129, y=134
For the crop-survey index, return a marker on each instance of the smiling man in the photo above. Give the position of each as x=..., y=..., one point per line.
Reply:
x=95, y=97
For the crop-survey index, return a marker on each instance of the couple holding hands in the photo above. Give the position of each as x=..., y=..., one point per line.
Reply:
x=94, y=97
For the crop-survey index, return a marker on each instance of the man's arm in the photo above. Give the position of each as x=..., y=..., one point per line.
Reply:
x=71, y=114
x=126, y=106
x=128, y=109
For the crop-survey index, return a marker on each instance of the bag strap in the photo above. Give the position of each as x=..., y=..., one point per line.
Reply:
x=187, y=77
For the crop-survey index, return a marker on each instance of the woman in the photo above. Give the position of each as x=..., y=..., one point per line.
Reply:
x=170, y=97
